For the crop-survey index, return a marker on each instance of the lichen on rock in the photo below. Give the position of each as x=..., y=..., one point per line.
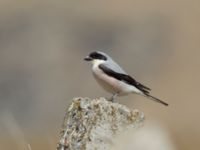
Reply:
x=92, y=124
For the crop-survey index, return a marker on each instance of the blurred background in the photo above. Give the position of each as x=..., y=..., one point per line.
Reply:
x=42, y=46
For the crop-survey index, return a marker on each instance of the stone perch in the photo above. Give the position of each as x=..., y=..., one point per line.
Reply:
x=93, y=124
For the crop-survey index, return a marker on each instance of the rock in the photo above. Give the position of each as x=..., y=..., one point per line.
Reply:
x=93, y=124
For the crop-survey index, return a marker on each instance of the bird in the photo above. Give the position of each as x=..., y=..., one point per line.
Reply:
x=114, y=79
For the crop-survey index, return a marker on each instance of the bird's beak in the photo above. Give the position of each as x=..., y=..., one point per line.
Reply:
x=88, y=58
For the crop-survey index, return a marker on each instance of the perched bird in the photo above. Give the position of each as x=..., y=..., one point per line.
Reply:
x=114, y=79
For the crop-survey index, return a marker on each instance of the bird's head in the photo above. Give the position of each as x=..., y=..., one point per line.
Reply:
x=96, y=57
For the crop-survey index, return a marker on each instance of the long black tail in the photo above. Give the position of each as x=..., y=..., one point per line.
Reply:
x=155, y=99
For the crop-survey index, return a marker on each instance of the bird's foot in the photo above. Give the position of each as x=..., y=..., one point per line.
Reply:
x=112, y=99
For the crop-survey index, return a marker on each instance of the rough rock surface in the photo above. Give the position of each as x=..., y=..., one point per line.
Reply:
x=93, y=124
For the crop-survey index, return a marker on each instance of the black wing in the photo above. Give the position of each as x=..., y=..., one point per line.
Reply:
x=125, y=78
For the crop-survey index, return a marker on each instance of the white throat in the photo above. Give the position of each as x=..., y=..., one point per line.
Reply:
x=97, y=62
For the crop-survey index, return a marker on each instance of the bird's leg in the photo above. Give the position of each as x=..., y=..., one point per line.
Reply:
x=112, y=99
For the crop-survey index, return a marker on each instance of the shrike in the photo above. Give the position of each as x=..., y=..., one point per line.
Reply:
x=114, y=79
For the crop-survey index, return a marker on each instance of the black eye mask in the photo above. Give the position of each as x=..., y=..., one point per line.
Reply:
x=96, y=55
